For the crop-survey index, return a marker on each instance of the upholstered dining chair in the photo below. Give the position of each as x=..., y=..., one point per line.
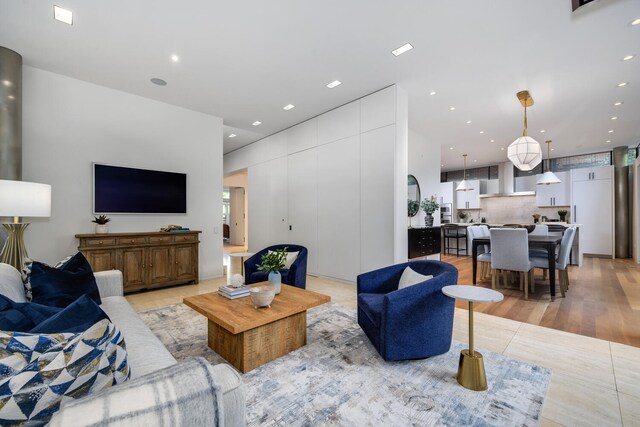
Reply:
x=562, y=260
x=295, y=275
x=510, y=252
x=484, y=254
x=412, y=322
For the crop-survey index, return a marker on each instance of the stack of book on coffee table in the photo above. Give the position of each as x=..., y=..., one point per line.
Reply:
x=233, y=293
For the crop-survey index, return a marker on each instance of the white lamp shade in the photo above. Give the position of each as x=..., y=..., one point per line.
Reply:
x=548, y=178
x=464, y=186
x=525, y=153
x=24, y=199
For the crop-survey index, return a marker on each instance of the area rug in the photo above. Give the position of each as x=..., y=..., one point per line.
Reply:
x=338, y=378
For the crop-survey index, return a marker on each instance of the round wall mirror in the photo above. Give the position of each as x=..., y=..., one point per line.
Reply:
x=413, y=197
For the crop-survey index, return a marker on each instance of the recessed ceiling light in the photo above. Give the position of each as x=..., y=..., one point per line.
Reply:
x=628, y=57
x=175, y=58
x=450, y=148
x=635, y=22
x=288, y=107
x=7, y=83
x=553, y=149
x=62, y=15
x=232, y=135
x=159, y=82
x=618, y=104
x=493, y=140
x=468, y=122
x=614, y=118
x=452, y=108
x=608, y=140
x=257, y=123
x=11, y=97
x=402, y=49
x=623, y=84
x=433, y=92
x=475, y=161
x=542, y=131
x=441, y=165
x=334, y=84
x=611, y=131
x=502, y=148
x=481, y=131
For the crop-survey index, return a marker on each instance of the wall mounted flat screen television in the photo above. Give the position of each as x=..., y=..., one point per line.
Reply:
x=122, y=190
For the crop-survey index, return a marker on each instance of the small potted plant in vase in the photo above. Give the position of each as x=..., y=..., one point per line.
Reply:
x=429, y=206
x=273, y=262
x=562, y=213
x=102, y=224
x=536, y=218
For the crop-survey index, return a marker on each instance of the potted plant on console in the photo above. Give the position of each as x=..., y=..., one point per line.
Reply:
x=102, y=224
x=273, y=262
x=429, y=206
x=562, y=213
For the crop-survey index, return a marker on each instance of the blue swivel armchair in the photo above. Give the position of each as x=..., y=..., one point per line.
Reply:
x=294, y=276
x=411, y=323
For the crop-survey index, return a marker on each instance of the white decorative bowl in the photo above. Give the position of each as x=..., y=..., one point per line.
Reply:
x=261, y=296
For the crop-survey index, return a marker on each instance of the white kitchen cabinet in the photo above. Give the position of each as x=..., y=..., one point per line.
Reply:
x=555, y=194
x=592, y=194
x=340, y=123
x=469, y=199
x=446, y=192
x=302, y=172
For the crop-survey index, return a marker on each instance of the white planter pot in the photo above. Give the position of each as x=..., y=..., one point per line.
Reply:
x=102, y=228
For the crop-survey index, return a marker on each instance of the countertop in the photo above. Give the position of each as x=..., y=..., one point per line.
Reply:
x=493, y=224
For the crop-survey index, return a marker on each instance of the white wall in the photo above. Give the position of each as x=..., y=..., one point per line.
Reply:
x=68, y=124
x=424, y=164
x=336, y=184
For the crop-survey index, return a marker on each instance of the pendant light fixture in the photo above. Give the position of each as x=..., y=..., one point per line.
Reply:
x=525, y=152
x=548, y=177
x=464, y=184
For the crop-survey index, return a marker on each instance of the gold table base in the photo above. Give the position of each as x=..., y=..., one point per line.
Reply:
x=14, y=252
x=471, y=372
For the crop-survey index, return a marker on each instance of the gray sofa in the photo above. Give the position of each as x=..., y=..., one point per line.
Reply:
x=150, y=362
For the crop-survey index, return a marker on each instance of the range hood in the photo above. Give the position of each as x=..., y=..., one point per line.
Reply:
x=506, y=179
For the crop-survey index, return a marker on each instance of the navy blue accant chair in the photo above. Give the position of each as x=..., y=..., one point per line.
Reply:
x=294, y=276
x=411, y=323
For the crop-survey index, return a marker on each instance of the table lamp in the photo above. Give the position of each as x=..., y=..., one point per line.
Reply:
x=21, y=199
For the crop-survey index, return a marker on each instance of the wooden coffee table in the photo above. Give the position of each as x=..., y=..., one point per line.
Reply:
x=248, y=337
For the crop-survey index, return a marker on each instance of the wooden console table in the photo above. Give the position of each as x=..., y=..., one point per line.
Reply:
x=147, y=260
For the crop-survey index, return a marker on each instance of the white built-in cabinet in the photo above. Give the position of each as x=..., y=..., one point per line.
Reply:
x=555, y=194
x=592, y=207
x=469, y=199
x=334, y=187
x=302, y=171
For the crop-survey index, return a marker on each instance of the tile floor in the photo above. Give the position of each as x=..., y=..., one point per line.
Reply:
x=594, y=382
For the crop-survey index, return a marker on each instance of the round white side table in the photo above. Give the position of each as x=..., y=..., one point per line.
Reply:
x=471, y=373
x=242, y=256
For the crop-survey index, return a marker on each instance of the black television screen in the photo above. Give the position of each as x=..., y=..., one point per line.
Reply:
x=128, y=190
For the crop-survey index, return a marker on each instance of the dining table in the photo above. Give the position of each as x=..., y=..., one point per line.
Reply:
x=548, y=243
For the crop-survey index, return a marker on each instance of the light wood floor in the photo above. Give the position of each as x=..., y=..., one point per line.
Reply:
x=594, y=383
x=603, y=300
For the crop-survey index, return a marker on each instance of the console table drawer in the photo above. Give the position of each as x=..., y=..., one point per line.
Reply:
x=128, y=241
x=161, y=239
x=108, y=241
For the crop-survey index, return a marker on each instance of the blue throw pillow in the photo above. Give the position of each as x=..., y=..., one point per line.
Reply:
x=36, y=318
x=59, y=287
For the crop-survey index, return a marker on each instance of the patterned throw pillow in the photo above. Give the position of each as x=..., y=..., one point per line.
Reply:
x=38, y=373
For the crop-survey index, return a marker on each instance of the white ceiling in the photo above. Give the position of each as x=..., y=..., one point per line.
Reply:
x=244, y=60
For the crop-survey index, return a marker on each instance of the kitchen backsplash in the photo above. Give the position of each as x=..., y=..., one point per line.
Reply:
x=513, y=210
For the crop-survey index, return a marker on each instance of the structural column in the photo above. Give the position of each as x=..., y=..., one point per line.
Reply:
x=621, y=201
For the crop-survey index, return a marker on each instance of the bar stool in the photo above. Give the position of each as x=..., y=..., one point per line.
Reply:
x=455, y=232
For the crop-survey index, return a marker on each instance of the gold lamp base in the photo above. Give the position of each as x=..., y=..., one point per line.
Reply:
x=14, y=252
x=471, y=372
